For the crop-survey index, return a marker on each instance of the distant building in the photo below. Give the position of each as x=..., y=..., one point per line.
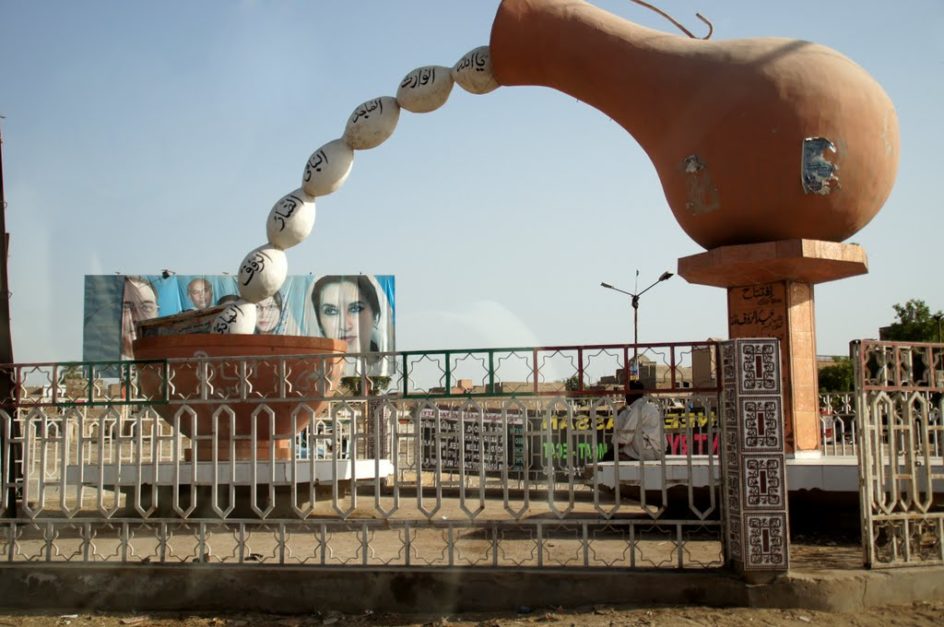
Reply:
x=705, y=365
x=822, y=361
x=466, y=386
x=652, y=374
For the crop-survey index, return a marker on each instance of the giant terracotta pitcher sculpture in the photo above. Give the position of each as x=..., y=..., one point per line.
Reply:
x=754, y=140
x=770, y=151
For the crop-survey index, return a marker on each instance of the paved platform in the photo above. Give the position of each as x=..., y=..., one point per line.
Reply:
x=351, y=590
x=829, y=473
x=227, y=472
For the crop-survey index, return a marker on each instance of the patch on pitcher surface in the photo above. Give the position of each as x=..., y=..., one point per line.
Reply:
x=818, y=168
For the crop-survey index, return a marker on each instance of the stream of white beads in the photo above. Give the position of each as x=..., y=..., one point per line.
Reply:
x=264, y=270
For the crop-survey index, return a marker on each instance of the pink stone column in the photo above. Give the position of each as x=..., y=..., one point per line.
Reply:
x=770, y=295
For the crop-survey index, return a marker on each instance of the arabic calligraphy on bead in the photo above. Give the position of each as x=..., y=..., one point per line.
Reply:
x=476, y=60
x=253, y=265
x=315, y=163
x=285, y=210
x=421, y=76
x=366, y=109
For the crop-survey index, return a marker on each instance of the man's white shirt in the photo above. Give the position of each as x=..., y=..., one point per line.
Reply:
x=639, y=430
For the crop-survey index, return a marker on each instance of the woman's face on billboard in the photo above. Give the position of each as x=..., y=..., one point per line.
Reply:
x=344, y=315
x=268, y=313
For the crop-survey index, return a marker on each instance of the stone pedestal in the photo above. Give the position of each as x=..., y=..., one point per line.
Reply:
x=770, y=295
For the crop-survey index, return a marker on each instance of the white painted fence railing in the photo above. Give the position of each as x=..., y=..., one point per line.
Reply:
x=423, y=478
x=901, y=446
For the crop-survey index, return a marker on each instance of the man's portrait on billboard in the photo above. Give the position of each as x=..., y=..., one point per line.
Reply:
x=200, y=292
x=138, y=302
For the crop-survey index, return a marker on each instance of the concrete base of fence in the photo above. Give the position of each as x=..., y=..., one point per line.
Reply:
x=299, y=590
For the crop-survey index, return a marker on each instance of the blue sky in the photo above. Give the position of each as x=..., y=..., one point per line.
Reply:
x=148, y=135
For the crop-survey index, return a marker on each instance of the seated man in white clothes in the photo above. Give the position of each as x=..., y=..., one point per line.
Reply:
x=639, y=432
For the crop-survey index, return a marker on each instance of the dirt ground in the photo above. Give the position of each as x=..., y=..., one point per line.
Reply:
x=598, y=616
x=809, y=551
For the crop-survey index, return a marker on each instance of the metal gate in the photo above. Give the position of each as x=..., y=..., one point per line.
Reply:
x=901, y=442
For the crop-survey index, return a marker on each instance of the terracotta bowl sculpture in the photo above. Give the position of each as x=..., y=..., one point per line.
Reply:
x=260, y=389
x=754, y=140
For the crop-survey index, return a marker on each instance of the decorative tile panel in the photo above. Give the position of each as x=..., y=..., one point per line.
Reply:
x=763, y=482
x=759, y=365
x=729, y=412
x=728, y=364
x=735, y=552
x=762, y=424
x=731, y=441
x=766, y=547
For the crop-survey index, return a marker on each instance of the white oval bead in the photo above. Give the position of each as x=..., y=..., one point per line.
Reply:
x=239, y=317
x=291, y=219
x=425, y=89
x=327, y=168
x=261, y=273
x=473, y=72
x=372, y=123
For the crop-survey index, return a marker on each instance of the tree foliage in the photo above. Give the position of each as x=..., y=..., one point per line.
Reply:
x=836, y=377
x=572, y=383
x=915, y=323
x=352, y=385
x=73, y=372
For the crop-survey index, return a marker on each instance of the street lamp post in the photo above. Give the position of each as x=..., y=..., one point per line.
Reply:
x=634, y=296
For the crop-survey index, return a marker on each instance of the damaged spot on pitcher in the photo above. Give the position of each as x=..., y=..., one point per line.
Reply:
x=702, y=193
x=819, y=170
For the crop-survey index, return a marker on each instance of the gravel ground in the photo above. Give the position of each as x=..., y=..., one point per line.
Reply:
x=598, y=616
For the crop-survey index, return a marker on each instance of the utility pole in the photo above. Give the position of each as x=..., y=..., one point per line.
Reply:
x=7, y=384
x=665, y=276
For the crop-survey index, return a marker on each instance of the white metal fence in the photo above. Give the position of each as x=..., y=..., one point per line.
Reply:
x=273, y=461
x=901, y=445
x=837, y=424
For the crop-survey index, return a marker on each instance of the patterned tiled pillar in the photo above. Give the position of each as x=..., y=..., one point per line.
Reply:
x=755, y=489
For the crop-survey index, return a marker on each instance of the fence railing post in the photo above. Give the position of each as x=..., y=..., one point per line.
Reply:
x=757, y=539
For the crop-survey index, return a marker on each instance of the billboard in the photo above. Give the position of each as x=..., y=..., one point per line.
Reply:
x=359, y=309
x=560, y=440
